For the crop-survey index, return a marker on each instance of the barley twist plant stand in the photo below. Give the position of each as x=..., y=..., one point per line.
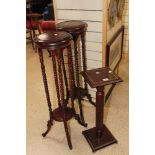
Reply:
x=55, y=42
x=78, y=29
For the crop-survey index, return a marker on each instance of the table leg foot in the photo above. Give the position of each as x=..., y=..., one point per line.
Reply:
x=81, y=112
x=90, y=100
x=97, y=143
x=49, y=125
x=77, y=117
x=67, y=135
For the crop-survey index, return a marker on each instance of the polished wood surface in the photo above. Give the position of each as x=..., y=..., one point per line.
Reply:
x=99, y=136
x=72, y=26
x=55, y=42
x=78, y=29
x=50, y=121
x=101, y=77
x=106, y=139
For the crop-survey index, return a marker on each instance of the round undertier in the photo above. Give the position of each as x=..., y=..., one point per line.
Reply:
x=58, y=114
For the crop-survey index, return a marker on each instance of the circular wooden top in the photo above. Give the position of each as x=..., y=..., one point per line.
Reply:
x=52, y=39
x=72, y=26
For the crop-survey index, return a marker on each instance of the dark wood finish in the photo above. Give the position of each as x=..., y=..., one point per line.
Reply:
x=101, y=77
x=83, y=38
x=78, y=29
x=50, y=122
x=58, y=114
x=99, y=111
x=121, y=30
x=55, y=42
x=71, y=74
x=98, y=143
x=71, y=82
x=65, y=111
x=78, y=80
x=99, y=136
x=65, y=78
x=56, y=77
x=73, y=27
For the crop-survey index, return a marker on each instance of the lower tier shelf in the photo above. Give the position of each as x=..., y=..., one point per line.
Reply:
x=58, y=114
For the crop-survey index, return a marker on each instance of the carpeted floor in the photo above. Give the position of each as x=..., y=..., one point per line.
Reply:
x=116, y=116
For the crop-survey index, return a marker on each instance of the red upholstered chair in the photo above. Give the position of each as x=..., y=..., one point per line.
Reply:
x=32, y=26
x=32, y=23
x=47, y=26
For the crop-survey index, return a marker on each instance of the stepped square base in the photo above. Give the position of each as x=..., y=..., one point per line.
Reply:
x=99, y=143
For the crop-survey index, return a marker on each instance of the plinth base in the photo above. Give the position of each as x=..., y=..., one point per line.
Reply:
x=98, y=143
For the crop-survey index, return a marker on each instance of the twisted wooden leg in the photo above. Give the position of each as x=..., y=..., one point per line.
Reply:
x=56, y=77
x=65, y=78
x=83, y=35
x=60, y=77
x=67, y=134
x=50, y=122
x=84, y=57
x=78, y=82
x=71, y=79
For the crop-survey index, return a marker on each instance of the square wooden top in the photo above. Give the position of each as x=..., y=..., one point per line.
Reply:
x=101, y=77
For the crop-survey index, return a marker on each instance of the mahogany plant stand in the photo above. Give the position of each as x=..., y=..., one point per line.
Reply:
x=100, y=136
x=55, y=42
x=78, y=29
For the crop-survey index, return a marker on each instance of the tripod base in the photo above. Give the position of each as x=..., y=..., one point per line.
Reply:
x=98, y=143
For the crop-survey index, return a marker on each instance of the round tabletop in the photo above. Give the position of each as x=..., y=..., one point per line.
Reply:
x=53, y=38
x=71, y=26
